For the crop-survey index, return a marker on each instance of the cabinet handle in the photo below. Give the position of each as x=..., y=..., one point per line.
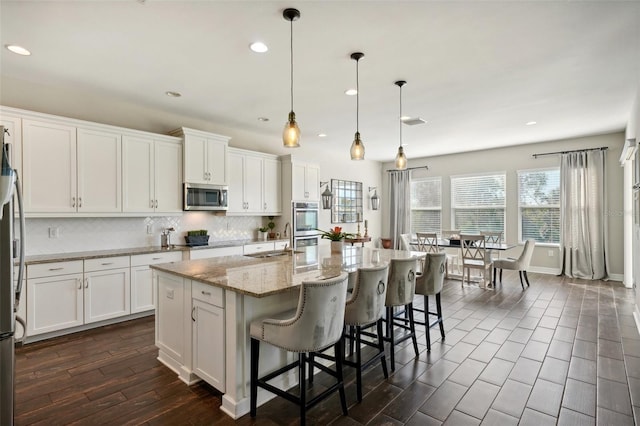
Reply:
x=193, y=311
x=79, y=283
x=107, y=263
x=265, y=206
x=151, y=203
x=156, y=204
x=156, y=258
x=79, y=202
x=206, y=293
x=86, y=283
x=56, y=269
x=73, y=201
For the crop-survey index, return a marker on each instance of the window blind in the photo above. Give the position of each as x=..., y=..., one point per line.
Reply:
x=539, y=205
x=478, y=203
x=426, y=204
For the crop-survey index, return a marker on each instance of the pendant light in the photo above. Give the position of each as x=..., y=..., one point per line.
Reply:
x=291, y=133
x=357, y=147
x=401, y=159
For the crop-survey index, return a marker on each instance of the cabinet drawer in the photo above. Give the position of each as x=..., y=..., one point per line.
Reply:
x=257, y=248
x=54, y=268
x=280, y=245
x=155, y=258
x=104, y=263
x=208, y=294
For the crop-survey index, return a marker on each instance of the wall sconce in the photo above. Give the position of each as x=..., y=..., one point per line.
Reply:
x=326, y=196
x=375, y=200
x=628, y=151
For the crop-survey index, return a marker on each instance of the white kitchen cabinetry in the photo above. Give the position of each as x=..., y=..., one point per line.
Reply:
x=69, y=169
x=152, y=175
x=54, y=296
x=106, y=288
x=300, y=181
x=215, y=252
x=207, y=315
x=49, y=167
x=13, y=124
x=142, y=289
x=258, y=247
x=173, y=333
x=254, y=183
x=205, y=156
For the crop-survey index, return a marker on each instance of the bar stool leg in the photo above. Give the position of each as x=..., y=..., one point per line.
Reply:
x=390, y=336
x=255, y=352
x=439, y=310
x=412, y=327
x=358, y=364
x=301, y=384
x=383, y=358
x=426, y=322
x=339, y=349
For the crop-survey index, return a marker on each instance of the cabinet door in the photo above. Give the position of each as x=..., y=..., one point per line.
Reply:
x=214, y=252
x=170, y=317
x=217, y=162
x=252, y=182
x=236, y=184
x=208, y=343
x=142, y=295
x=298, y=182
x=106, y=294
x=99, y=171
x=313, y=182
x=54, y=303
x=49, y=167
x=138, y=174
x=14, y=125
x=195, y=159
x=168, y=177
x=271, y=184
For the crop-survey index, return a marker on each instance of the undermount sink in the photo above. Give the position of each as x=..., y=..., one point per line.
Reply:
x=265, y=254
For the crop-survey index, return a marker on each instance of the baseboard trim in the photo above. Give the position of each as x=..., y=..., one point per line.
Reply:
x=636, y=316
x=543, y=270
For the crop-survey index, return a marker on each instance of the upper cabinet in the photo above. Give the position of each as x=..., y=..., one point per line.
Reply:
x=300, y=180
x=69, y=169
x=205, y=156
x=152, y=175
x=254, y=183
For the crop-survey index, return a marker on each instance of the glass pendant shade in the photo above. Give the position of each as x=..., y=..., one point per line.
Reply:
x=291, y=133
x=401, y=159
x=357, y=148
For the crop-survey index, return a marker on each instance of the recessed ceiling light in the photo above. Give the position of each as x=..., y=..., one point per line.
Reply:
x=322, y=135
x=351, y=92
x=258, y=47
x=531, y=123
x=18, y=49
x=263, y=119
x=172, y=94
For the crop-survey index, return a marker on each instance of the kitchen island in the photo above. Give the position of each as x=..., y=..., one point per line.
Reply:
x=205, y=307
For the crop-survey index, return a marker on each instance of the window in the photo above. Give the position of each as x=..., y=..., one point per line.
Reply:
x=478, y=203
x=539, y=204
x=426, y=204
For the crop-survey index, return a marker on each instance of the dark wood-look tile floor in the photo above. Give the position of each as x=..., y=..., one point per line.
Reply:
x=562, y=352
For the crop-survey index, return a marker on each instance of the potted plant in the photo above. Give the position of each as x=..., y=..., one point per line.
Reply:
x=336, y=236
x=271, y=225
x=197, y=238
x=263, y=233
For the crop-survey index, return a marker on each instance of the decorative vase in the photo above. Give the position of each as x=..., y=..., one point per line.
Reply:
x=336, y=246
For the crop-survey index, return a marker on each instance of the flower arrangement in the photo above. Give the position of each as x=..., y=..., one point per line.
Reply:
x=334, y=234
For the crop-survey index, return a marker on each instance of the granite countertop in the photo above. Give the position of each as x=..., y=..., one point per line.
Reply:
x=63, y=257
x=260, y=277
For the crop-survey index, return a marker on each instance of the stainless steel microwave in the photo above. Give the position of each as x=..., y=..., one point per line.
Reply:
x=205, y=197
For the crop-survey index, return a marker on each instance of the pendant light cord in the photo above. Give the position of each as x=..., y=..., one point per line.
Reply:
x=357, y=95
x=291, y=56
x=400, y=120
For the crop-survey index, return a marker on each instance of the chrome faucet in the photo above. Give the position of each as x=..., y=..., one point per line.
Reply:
x=286, y=226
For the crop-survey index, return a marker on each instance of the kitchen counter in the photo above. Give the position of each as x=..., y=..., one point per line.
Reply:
x=205, y=308
x=93, y=254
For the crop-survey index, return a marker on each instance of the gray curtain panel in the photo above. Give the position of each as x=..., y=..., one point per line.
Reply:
x=400, y=202
x=582, y=211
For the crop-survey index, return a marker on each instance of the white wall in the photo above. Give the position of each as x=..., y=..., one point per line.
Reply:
x=512, y=159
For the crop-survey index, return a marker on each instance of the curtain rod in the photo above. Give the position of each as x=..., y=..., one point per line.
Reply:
x=408, y=168
x=602, y=148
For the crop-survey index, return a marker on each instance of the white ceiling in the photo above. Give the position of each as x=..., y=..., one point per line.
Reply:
x=477, y=71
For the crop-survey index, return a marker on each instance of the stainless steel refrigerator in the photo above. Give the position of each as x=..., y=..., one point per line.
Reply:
x=11, y=253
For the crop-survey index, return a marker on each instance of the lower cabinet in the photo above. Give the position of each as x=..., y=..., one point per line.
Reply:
x=208, y=343
x=143, y=296
x=106, y=294
x=54, y=296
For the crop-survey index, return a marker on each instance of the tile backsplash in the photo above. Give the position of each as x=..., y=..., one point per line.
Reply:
x=82, y=234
